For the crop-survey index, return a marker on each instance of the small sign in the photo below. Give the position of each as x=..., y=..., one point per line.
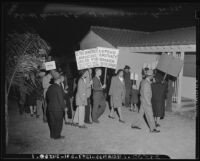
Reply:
x=50, y=65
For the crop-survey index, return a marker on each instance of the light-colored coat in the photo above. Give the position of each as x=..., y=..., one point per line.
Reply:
x=117, y=92
x=81, y=95
x=146, y=93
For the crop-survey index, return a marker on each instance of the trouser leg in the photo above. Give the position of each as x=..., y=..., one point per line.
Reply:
x=50, y=120
x=138, y=118
x=75, y=119
x=81, y=115
x=58, y=123
x=95, y=108
x=102, y=107
x=149, y=115
x=87, y=111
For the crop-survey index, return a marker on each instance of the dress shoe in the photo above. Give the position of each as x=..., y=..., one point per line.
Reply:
x=74, y=124
x=88, y=122
x=155, y=131
x=121, y=121
x=135, y=127
x=61, y=137
x=111, y=117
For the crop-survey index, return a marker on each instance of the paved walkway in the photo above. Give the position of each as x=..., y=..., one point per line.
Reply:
x=176, y=139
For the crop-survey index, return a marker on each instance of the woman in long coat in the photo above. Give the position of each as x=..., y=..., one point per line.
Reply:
x=81, y=100
x=159, y=92
x=117, y=92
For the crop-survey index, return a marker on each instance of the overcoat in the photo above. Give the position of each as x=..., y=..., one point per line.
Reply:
x=117, y=92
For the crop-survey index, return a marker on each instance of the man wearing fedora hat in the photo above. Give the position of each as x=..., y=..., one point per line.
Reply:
x=128, y=85
x=55, y=107
x=146, y=106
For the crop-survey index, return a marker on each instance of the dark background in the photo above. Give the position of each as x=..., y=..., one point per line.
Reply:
x=63, y=25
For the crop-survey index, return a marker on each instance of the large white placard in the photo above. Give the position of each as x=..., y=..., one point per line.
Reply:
x=108, y=57
x=87, y=58
x=97, y=57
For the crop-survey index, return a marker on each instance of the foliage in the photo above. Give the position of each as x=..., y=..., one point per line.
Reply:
x=23, y=56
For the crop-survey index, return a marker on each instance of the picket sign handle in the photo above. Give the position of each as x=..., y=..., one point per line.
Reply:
x=164, y=77
x=105, y=75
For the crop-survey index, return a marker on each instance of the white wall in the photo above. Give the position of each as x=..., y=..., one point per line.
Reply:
x=134, y=60
x=92, y=40
x=189, y=87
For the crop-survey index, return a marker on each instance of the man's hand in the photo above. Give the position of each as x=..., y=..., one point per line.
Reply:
x=104, y=86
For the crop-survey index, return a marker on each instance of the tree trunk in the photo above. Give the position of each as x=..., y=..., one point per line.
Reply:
x=6, y=113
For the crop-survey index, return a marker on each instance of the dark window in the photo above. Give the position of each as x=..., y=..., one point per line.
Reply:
x=189, y=68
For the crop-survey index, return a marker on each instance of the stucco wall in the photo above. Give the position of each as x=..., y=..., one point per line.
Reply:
x=189, y=87
x=92, y=40
x=134, y=60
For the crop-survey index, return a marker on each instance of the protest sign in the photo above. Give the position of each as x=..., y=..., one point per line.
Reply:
x=87, y=58
x=108, y=57
x=50, y=65
x=170, y=65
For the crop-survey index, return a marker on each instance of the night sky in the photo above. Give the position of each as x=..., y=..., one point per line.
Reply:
x=64, y=25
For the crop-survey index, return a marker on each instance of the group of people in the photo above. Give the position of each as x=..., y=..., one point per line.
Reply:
x=89, y=98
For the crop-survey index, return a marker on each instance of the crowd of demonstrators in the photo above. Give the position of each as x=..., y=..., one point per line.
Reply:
x=81, y=100
x=117, y=93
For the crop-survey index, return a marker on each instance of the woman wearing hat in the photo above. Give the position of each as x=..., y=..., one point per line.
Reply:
x=117, y=93
x=81, y=100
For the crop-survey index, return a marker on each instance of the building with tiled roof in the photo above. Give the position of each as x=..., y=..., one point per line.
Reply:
x=137, y=48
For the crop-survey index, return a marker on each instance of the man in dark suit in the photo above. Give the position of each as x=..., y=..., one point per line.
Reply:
x=55, y=107
x=99, y=101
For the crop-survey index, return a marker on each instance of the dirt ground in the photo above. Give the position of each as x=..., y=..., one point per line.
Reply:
x=31, y=136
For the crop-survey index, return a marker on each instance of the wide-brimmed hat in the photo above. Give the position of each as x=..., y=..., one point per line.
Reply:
x=82, y=72
x=149, y=72
x=127, y=67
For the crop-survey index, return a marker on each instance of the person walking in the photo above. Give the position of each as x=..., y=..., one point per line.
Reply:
x=134, y=97
x=81, y=100
x=68, y=112
x=88, y=106
x=45, y=83
x=32, y=96
x=55, y=107
x=99, y=101
x=146, y=105
x=117, y=93
x=159, y=93
x=128, y=84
